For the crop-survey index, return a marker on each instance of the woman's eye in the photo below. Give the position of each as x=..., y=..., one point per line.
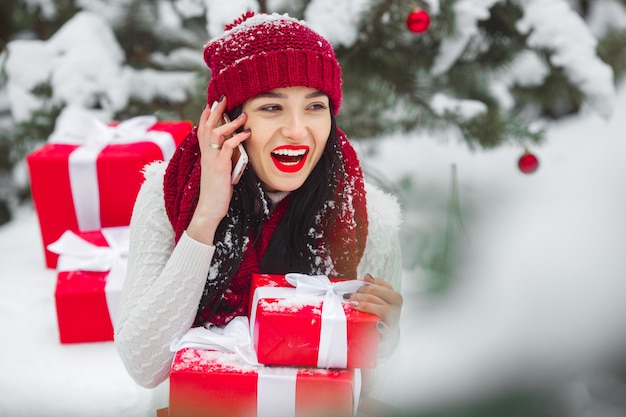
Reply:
x=271, y=108
x=317, y=106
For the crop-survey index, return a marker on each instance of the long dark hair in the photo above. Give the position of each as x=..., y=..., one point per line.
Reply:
x=295, y=244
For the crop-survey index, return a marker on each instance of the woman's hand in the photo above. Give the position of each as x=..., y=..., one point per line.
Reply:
x=216, y=152
x=381, y=299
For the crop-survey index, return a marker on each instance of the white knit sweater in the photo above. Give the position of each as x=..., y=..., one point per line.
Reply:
x=164, y=281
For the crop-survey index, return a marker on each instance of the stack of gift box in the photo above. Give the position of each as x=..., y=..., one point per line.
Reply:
x=84, y=181
x=299, y=352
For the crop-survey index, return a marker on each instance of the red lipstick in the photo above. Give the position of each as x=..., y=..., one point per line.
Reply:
x=290, y=158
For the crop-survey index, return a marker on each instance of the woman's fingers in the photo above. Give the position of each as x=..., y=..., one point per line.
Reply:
x=381, y=289
x=211, y=131
x=378, y=298
x=215, y=148
x=204, y=116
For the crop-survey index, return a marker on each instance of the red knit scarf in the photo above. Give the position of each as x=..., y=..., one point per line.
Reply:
x=346, y=240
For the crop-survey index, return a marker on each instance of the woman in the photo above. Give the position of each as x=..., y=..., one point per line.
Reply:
x=301, y=205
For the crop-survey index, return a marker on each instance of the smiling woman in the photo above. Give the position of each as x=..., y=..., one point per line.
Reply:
x=300, y=206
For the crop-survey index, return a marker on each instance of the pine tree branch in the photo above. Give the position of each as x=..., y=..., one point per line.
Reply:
x=612, y=50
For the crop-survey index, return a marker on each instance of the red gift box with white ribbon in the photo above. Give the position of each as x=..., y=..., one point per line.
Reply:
x=303, y=320
x=90, y=274
x=88, y=174
x=211, y=377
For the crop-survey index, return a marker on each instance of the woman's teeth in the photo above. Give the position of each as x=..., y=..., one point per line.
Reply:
x=288, y=156
x=289, y=152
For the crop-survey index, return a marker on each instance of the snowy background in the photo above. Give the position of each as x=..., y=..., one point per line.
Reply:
x=538, y=300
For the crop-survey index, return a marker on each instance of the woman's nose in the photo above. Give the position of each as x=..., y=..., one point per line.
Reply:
x=295, y=127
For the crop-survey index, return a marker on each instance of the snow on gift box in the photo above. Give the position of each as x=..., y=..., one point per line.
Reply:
x=301, y=320
x=88, y=174
x=215, y=373
x=91, y=271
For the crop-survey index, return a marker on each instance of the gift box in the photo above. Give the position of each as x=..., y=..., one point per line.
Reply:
x=215, y=373
x=88, y=174
x=303, y=320
x=207, y=383
x=91, y=271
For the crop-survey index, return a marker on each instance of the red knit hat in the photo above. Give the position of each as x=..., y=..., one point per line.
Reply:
x=258, y=53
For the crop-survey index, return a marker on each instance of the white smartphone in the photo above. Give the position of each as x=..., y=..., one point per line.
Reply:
x=240, y=157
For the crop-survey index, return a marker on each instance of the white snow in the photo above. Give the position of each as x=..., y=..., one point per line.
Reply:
x=468, y=13
x=527, y=69
x=606, y=16
x=189, y=8
x=466, y=109
x=218, y=16
x=82, y=62
x=342, y=29
x=85, y=66
x=553, y=26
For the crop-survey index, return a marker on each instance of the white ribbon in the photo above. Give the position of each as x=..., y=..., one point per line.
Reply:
x=233, y=338
x=276, y=386
x=77, y=254
x=76, y=126
x=276, y=392
x=333, y=347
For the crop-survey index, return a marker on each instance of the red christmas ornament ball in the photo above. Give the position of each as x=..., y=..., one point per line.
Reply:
x=418, y=21
x=528, y=163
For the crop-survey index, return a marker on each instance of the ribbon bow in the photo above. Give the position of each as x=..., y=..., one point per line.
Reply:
x=233, y=338
x=77, y=254
x=315, y=285
x=276, y=387
x=77, y=126
x=333, y=347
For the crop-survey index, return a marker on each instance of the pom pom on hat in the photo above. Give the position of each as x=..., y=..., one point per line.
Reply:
x=261, y=52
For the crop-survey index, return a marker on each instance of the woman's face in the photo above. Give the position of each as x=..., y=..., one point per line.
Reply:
x=290, y=128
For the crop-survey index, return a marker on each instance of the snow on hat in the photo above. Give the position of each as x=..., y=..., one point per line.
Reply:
x=258, y=53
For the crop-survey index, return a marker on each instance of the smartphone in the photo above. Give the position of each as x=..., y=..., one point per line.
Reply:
x=240, y=157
